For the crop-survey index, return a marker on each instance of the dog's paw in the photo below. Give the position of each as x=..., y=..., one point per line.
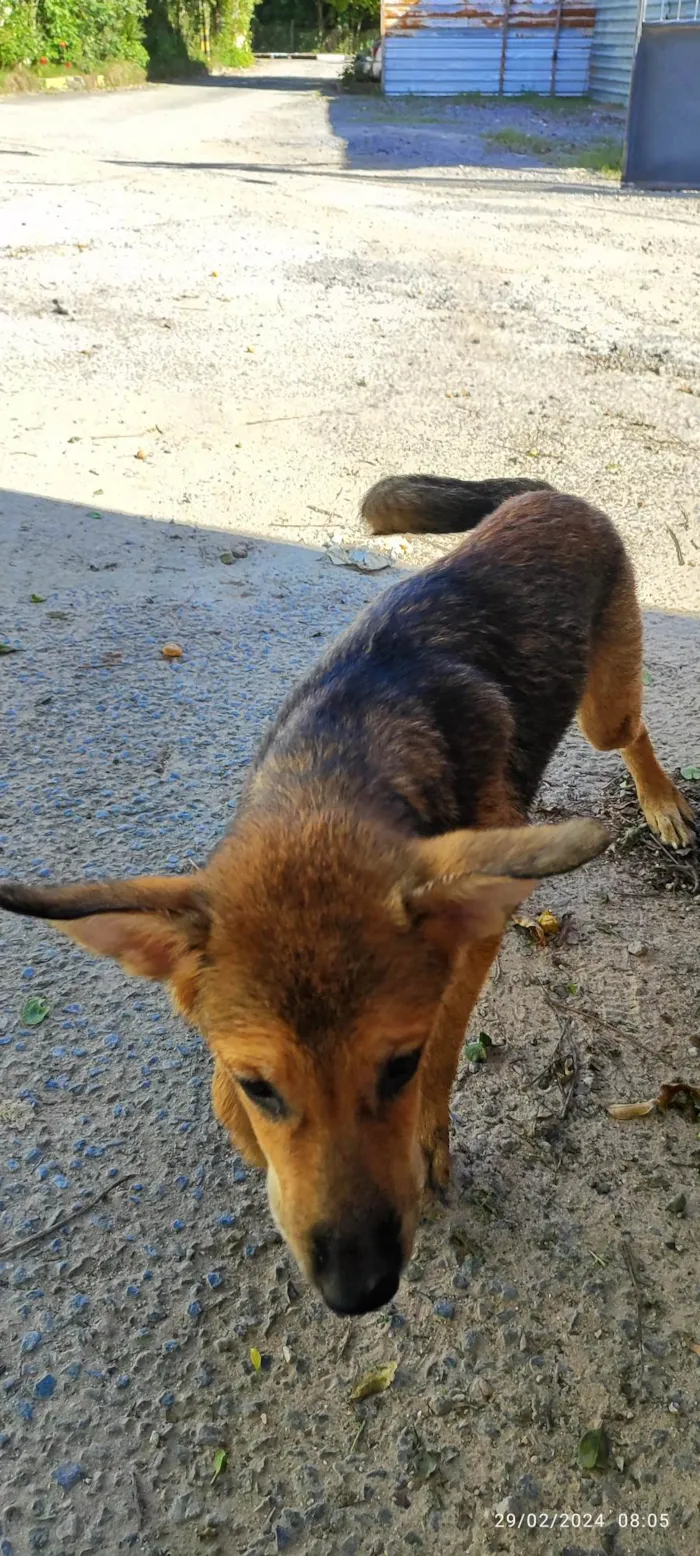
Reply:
x=669, y=815
x=435, y=1144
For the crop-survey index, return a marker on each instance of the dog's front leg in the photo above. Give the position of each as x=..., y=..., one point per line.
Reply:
x=231, y=1113
x=441, y=1058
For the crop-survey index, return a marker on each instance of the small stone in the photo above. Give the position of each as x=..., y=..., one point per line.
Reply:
x=637, y=948
x=68, y=1475
x=678, y=1205
x=443, y=1309
x=214, y=1279
x=45, y=1387
x=30, y=1341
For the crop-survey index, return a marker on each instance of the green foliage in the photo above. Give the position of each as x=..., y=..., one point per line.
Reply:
x=84, y=32
x=174, y=37
x=19, y=43
x=187, y=35
x=300, y=25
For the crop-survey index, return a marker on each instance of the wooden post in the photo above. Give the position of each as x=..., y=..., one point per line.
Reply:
x=555, y=50
x=504, y=46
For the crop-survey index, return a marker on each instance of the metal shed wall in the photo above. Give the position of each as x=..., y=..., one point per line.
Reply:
x=442, y=47
x=612, y=53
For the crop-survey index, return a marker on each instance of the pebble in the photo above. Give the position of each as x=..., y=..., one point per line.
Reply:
x=443, y=1309
x=30, y=1341
x=45, y=1387
x=678, y=1205
x=68, y=1475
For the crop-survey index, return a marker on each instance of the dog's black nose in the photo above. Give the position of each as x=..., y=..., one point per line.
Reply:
x=357, y=1267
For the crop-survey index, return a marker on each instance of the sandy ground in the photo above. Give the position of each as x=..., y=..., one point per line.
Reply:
x=226, y=309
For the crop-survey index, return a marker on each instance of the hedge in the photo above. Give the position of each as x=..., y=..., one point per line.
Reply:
x=168, y=36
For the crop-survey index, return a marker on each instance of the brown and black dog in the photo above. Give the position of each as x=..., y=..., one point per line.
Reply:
x=332, y=949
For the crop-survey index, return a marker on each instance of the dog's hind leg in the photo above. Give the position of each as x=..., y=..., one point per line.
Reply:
x=610, y=713
x=441, y=1057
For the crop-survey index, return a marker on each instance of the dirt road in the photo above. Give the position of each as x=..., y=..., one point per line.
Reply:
x=226, y=309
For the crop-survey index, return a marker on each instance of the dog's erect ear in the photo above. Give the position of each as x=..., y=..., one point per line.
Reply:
x=149, y=924
x=470, y=882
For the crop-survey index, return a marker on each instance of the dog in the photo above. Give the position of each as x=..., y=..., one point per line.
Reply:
x=333, y=947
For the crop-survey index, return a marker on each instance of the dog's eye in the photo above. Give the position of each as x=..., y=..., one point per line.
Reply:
x=264, y=1096
x=397, y=1073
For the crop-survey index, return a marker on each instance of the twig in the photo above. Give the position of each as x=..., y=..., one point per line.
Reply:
x=677, y=544
x=634, y=1277
x=358, y=1435
x=63, y=1220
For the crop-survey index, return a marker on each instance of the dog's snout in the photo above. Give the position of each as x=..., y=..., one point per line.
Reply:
x=357, y=1268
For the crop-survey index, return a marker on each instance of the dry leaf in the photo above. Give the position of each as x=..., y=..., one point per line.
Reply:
x=375, y=1382
x=256, y=1358
x=542, y=928
x=677, y=1091
x=694, y=1347
x=171, y=651
x=362, y=561
x=669, y=1095
x=625, y=1110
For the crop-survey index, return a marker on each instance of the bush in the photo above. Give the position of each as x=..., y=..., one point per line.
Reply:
x=19, y=42
x=86, y=32
x=180, y=35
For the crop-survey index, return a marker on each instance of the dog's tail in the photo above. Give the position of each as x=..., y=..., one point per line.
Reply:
x=436, y=504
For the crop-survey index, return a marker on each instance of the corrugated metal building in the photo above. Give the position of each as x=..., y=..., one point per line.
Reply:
x=612, y=54
x=615, y=36
x=441, y=47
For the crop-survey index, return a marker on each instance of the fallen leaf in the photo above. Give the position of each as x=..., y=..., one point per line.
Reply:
x=362, y=561
x=94, y=515
x=286, y=1353
x=140, y=454
x=694, y=1347
x=38, y=599
x=540, y=929
x=256, y=1358
x=35, y=1010
x=476, y=1051
x=669, y=1095
x=214, y=272
x=594, y=1450
x=6, y=648
x=220, y=1462
x=375, y=1382
x=647, y=678
x=171, y=651
x=623, y=1111
x=691, y=773
x=676, y=1091
x=250, y=350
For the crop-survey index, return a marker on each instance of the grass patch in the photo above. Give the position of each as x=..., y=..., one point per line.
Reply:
x=600, y=156
x=114, y=74
x=521, y=143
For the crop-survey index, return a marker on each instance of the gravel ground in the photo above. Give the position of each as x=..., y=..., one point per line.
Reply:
x=219, y=324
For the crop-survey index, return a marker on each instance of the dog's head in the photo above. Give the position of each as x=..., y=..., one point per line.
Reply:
x=313, y=959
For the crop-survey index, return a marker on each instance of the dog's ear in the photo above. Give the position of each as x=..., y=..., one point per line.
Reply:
x=470, y=882
x=151, y=925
